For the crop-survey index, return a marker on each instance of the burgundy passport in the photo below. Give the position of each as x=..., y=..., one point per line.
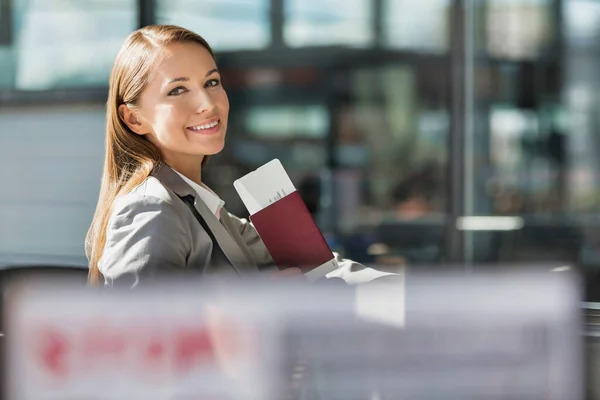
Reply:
x=291, y=235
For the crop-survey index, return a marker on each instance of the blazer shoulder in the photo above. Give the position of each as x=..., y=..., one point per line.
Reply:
x=152, y=187
x=146, y=234
x=149, y=195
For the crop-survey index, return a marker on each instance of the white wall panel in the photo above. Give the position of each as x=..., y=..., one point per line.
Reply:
x=50, y=168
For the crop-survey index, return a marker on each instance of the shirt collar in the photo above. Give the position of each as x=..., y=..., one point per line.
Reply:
x=210, y=198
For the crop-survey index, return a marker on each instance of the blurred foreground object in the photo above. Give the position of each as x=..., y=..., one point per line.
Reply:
x=510, y=335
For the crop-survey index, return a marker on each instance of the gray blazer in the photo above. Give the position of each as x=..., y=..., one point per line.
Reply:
x=153, y=232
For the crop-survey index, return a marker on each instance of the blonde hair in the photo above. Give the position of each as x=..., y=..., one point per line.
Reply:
x=129, y=158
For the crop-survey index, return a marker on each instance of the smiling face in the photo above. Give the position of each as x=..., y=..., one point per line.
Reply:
x=183, y=109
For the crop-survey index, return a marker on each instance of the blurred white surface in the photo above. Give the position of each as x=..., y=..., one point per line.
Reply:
x=50, y=168
x=512, y=336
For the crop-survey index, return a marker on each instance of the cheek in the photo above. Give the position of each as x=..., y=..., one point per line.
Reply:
x=223, y=102
x=169, y=115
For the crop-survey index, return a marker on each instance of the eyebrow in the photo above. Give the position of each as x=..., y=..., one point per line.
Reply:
x=185, y=78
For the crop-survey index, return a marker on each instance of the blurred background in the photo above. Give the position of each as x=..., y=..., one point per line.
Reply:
x=419, y=133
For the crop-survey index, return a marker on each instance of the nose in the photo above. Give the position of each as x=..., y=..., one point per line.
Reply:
x=205, y=102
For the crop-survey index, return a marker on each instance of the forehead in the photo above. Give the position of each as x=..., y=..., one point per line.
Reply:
x=184, y=59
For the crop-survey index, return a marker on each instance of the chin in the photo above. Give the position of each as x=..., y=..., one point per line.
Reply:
x=210, y=150
x=203, y=145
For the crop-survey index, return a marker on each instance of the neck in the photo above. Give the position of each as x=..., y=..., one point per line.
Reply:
x=191, y=169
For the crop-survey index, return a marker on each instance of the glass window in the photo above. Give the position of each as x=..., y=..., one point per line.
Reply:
x=65, y=43
x=279, y=122
x=328, y=22
x=519, y=29
x=582, y=22
x=7, y=59
x=417, y=25
x=389, y=190
x=295, y=133
x=225, y=24
x=532, y=147
x=6, y=52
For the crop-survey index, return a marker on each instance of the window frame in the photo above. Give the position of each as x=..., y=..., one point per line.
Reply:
x=6, y=36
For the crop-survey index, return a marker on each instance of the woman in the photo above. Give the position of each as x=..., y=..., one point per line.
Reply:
x=166, y=115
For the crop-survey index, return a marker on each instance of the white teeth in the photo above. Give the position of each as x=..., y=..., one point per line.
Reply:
x=207, y=126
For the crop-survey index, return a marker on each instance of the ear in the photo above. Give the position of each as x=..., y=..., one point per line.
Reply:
x=129, y=117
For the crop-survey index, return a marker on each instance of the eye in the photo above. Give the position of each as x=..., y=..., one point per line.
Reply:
x=177, y=91
x=212, y=83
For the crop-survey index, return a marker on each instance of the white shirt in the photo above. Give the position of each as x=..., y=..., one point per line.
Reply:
x=210, y=198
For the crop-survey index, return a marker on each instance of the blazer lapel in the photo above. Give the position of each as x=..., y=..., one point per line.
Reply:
x=230, y=248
